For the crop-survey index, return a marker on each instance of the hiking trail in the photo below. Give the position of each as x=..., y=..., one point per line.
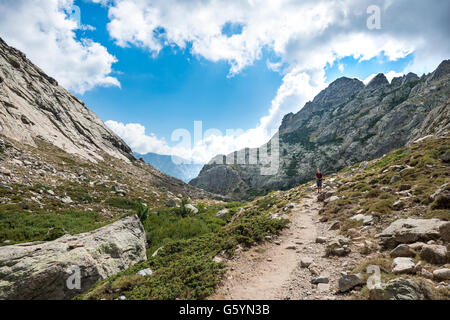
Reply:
x=273, y=270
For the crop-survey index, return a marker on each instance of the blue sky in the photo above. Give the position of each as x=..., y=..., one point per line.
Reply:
x=175, y=88
x=147, y=68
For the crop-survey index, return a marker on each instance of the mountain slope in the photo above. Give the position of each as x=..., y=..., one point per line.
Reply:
x=346, y=123
x=184, y=171
x=32, y=105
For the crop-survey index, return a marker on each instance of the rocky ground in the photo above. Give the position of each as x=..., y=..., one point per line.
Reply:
x=337, y=239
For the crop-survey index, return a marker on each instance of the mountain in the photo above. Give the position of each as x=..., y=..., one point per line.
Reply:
x=34, y=105
x=45, y=130
x=182, y=170
x=346, y=123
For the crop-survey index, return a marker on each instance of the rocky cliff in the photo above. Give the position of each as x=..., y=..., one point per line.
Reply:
x=346, y=123
x=33, y=105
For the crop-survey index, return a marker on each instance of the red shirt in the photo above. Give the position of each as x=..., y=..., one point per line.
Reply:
x=318, y=176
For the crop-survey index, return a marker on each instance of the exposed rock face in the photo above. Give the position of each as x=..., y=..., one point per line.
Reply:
x=40, y=270
x=33, y=105
x=411, y=230
x=346, y=123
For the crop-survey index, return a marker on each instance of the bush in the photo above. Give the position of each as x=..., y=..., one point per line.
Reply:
x=123, y=203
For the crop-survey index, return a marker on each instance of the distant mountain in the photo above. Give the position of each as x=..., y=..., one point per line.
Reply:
x=346, y=123
x=183, y=171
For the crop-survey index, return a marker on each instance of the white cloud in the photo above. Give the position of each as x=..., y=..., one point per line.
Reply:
x=44, y=31
x=304, y=35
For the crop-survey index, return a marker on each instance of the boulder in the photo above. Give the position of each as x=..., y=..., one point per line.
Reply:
x=50, y=270
x=403, y=250
x=397, y=289
x=222, y=212
x=305, y=262
x=441, y=274
x=190, y=207
x=349, y=281
x=364, y=219
x=403, y=265
x=409, y=231
x=434, y=254
x=320, y=280
x=145, y=272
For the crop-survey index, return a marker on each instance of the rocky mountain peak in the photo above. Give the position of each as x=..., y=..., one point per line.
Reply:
x=34, y=106
x=379, y=80
x=442, y=70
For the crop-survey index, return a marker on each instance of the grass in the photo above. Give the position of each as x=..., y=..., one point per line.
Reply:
x=123, y=203
x=25, y=227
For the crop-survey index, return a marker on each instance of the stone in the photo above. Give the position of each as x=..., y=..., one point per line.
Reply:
x=44, y=267
x=402, y=250
x=67, y=200
x=403, y=265
x=321, y=279
x=349, y=281
x=441, y=274
x=291, y=247
x=409, y=231
x=335, y=226
x=331, y=199
x=397, y=289
x=434, y=254
x=363, y=218
x=171, y=203
x=145, y=272
x=222, y=212
x=305, y=262
x=321, y=240
x=444, y=231
x=398, y=205
x=218, y=259
x=190, y=207
x=446, y=157
x=395, y=178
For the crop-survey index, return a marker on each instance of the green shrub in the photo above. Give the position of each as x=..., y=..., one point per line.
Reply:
x=123, y=203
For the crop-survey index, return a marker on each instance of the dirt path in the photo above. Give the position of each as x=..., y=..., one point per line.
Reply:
x=273, y=270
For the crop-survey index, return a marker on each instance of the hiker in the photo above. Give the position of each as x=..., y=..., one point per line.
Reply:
x=319, y=179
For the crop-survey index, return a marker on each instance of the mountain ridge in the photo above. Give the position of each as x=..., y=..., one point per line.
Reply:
x=345, y=123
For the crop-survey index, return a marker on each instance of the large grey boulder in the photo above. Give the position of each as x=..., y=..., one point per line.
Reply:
x=49, y=270
x=349, y=281
x=411, y=230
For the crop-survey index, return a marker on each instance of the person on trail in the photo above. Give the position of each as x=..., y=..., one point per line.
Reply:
x=319, y=179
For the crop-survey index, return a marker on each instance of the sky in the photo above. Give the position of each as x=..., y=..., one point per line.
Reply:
x=199, y=78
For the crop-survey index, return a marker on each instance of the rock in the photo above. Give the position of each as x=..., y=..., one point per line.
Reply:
x=218, y=259
x=349, y=281
x=353, y=233
x=5, y=172
x=122, y=298
x=305, y=262
x=395, y=178
x=290, y=206
x=222, y=212
x=398, y=205
x=425, y=273
x=331, y=199
x=335, y=226
x=434, y=254
x=403, y=265
x=397, y=289
x=318, y=280
x=402, y=250
x=145, y=272
x=41, y=270
x=4, y=186
x=417, y=246
x=321, y=240
x=442, y=200
x=410, y=230
x=441, y=274
x=365, y=219
x=50, y=192
x=446, y=157
x=67, y=200
x=171, y=203
x=291, y=247
x=190, y=207
x=444, y=231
